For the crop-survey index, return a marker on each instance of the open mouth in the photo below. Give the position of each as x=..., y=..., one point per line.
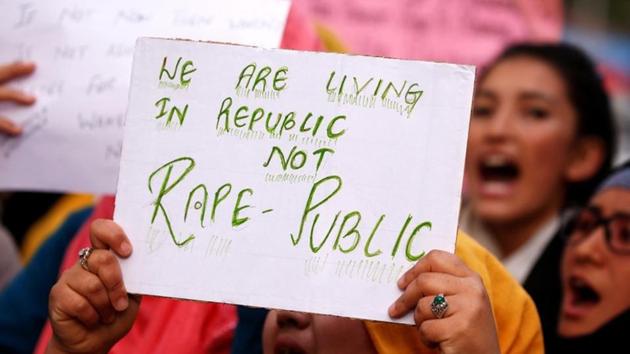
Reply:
x=288, y=350
x=498, y=168
x=583, y=293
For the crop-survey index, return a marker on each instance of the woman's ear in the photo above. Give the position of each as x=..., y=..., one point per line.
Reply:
x=586, y=159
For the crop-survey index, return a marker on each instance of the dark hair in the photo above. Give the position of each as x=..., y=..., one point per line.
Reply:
x=587, y=95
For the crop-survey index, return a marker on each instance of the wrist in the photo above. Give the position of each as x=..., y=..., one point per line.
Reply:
x=55, y=347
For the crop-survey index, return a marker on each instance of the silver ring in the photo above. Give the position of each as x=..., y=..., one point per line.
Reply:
x=439, y=305
x=84, y=254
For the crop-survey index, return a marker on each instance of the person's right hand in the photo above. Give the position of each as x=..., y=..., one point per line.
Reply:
x=9, y=72
x=468, y=325
x=91, y=310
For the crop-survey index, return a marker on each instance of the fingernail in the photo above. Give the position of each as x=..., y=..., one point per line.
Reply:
x=125, y=248
x=392, y=310
x=14, y=129
x=121, y=304
x=25, y=63
x=400, y=282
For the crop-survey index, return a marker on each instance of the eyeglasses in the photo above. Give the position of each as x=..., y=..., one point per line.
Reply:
x=587, y=220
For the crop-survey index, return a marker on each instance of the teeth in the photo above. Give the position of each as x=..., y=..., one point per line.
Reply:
x=496, y=160
x=496, y=187
x=578, y=283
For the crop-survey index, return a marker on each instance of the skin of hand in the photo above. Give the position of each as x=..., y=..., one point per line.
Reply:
x=468, y=325
x=10, y=72
x=90, y=310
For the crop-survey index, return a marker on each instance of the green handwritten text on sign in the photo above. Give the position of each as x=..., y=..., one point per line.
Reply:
x=285, y=179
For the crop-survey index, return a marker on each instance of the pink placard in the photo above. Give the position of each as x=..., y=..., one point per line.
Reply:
x=459, y=31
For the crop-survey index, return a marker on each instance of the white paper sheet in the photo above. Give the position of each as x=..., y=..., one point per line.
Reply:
x=216, y=213
x=83, y=50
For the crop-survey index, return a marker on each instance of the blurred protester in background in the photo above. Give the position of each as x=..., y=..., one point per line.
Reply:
x=9, y=260
x=595, y=311
x=541, y=138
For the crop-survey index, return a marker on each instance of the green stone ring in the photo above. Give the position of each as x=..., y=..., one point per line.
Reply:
x=439, y=306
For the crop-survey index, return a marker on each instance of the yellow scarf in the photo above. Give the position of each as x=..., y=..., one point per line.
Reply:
x=515, y=314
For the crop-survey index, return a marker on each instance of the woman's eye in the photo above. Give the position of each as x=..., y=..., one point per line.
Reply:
x=585, y=223
x=537, y=113
x=623, y=230
x=480, y=111
x=584, y=226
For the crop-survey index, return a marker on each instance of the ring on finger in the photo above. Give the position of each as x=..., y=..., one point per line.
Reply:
x=439, y=305
x=84, y=254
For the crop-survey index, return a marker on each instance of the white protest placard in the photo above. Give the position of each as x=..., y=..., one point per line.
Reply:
x=282, y=179
x=83, y=50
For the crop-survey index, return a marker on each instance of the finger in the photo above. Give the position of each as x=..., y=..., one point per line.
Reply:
x=17, y=96
x=434, y=332
x=423, y=311
x=127, y=317
x=425, y=284
x=105, y=265
x=107, y=234
x=66, y=303
x=90, y=286
x=435, y=261
x=124, y=321
x=7, y=127
x=15, y=70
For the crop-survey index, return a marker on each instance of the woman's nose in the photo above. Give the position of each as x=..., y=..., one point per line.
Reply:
x=499, y=125
x=292, y=319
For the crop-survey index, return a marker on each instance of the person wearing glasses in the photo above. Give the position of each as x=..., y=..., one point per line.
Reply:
x=595, y=310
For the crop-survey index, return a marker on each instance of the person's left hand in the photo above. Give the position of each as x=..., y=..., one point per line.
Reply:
x=89, y=307
x=9, y=72
x=468, y=325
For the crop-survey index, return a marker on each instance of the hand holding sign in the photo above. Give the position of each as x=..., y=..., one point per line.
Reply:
x=89, y=307
x=96, y=39
x=9, y=72
x=464, y=322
